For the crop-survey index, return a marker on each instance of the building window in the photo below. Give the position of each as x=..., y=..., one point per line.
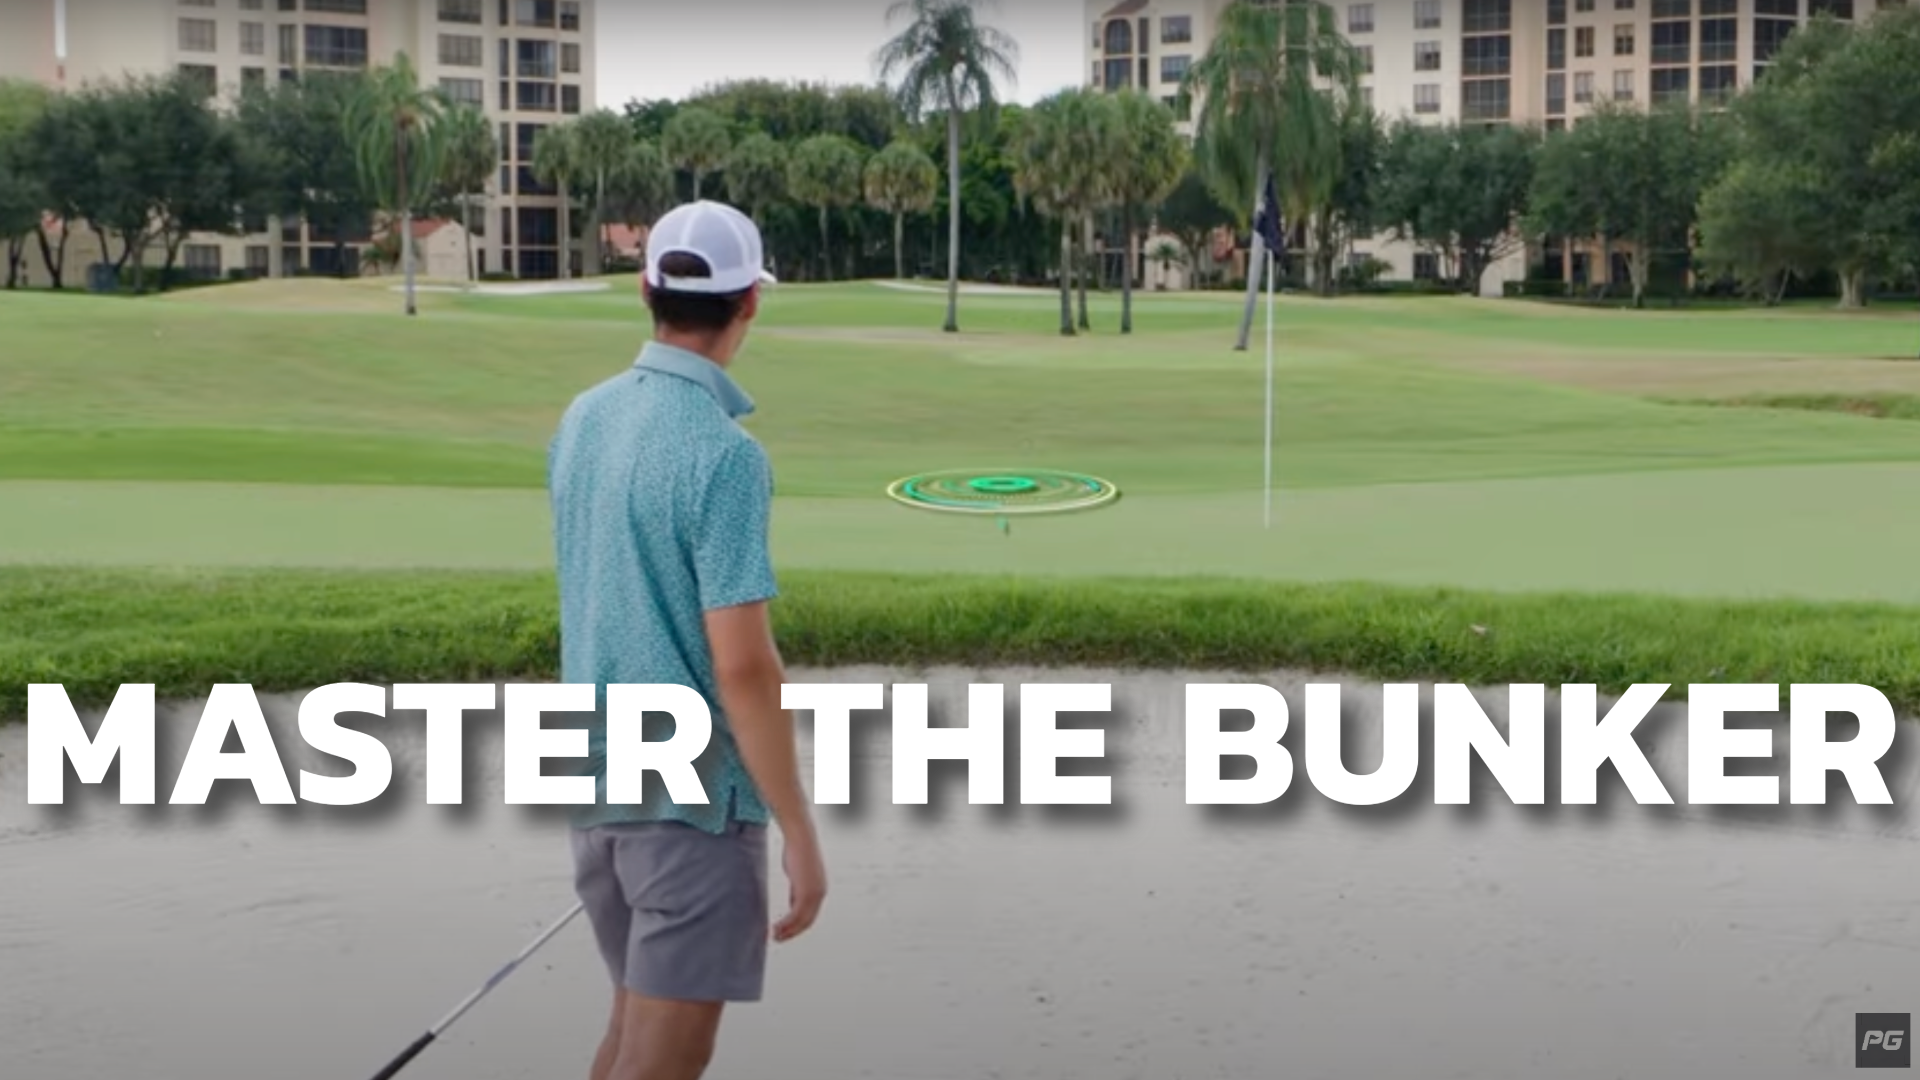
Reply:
x=253, y=39
x=1486, y=56
x=253, y=5
x=1670, y=86
x=339, y=7
x=535, y=97
x=570, y=99
x=1119, y=38
x=462, y=50
x=570, y=58
x=1839, y=9
x=1119, y=74
x=1426, y=56
x=1583, y=5
x=1426, y=98
x=1556, y=12
x=1583, y=88
x=1360, y=19
x=1556, y=49
x=536, y=59
x=1426, y=14
x=1623, y=85
x=534, y=13
x=202, y=261
x=1366, y=97
x=1485, y=99
x=1174, y=68
x=1719, y=41
x=1768, y=36
x=1673, y=9
x=253, y=78
x=1718, y=83
x=460, y=11
x=289, y=44
x=1719, y=7
x=204, y=78
x=199, y=35
x=1426, y=266
x=259, y=260
x=465, y=91
x=1486, y=16
x=570, y=15
x=1556, y=93
x=1583, y=41
x=1623, y=39
x=336, y=46
x=196, y=3
x=1623, y=5
x=1787, y=8
x=1366, y=59
x=1176, y=30
x=1672, y=43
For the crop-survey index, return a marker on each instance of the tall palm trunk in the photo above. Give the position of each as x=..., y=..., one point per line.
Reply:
x=1086, y=257
x=899, y=255
x=696, y=185
x=406, y=218
x=566, y=231
x=596, y=253
x=466, y=226
x=1066, y=277
x=1256, y=255
x=953, y=210
x=1126, y=272
x=826, y=253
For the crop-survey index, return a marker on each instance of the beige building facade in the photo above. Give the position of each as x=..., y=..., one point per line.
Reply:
x=1545, y=62
x=527, y=64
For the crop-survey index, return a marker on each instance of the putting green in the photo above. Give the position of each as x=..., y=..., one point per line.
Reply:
x=1841, y=532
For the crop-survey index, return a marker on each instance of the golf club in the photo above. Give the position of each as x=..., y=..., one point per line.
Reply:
x=433, y=1032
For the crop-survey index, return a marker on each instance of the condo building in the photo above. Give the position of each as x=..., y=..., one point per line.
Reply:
x=526, y=63
x=1546, y=62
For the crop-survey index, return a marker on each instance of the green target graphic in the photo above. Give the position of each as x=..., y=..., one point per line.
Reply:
x=1003, y=491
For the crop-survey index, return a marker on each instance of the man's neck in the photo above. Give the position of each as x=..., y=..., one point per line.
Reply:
x=701, y=347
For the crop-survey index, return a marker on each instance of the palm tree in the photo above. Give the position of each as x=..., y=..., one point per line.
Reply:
x=1168, y=253
x=901, y=180
x=1057, y=166
x=472, y=156
x=641, y=189
x=947, y=61
x=825, y=172
x=556, y=163
x=1147, y=160
x=1262, y=87
x=696, y=140
x=756, y=171
x=601, y=142
x=393, y=126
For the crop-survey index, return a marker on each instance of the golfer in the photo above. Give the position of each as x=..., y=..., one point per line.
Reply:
x=660, y=510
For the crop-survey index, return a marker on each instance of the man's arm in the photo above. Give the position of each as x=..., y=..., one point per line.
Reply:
x=746, y=664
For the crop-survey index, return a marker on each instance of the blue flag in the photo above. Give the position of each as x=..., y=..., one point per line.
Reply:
x=1267, y=222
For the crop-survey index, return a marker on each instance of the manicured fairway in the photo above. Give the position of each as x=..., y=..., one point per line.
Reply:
x=1420, y=441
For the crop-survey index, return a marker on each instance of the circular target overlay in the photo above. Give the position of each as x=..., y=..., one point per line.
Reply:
x=1003, y=491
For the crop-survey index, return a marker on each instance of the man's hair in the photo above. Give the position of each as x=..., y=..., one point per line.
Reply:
x=695, y=312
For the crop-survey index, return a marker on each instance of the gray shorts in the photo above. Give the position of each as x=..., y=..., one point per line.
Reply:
x=679, y=913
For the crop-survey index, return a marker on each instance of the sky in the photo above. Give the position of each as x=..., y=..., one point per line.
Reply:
x=670, y=48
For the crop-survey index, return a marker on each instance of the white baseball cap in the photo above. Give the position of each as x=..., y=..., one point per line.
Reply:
x=726, y=239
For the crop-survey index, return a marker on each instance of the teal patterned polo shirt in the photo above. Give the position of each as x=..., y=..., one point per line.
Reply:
x=661, y=503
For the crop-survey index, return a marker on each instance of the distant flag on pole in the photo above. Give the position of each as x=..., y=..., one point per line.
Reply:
x=1267, y=222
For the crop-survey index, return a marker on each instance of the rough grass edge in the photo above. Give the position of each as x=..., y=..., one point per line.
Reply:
x=282, y=631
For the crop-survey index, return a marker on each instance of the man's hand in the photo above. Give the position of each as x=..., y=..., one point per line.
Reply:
x=806, y=886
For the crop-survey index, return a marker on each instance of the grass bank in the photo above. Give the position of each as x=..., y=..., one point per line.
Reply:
x=285, y=631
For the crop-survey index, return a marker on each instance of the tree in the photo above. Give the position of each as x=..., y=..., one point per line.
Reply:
x=308, y=166
x=946, y=61
x=472, y=157
x=601, y=144
x=641, y=189
x=23, y=197
x=757, y=174
x=901, y=180
x=1060, y=158
x=1271, y=85
x=393, y=125
x=1168, y=253
x=1759, y=224
x=1193, y=214
x=825, y=172
x=556, y=163
x=696, y=141
x=197, y=175
x=1460, y=189
x=1349, y=209
x=1145, y=162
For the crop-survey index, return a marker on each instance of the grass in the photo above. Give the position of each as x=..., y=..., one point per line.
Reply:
x=92, y=630
x=290, y=481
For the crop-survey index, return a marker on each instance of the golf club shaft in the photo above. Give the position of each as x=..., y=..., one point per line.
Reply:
x=472, y=999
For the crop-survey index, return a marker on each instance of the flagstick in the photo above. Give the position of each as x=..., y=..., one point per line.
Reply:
x=1269, y=474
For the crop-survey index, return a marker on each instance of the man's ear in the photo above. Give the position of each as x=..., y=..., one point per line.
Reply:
x=750, y=307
